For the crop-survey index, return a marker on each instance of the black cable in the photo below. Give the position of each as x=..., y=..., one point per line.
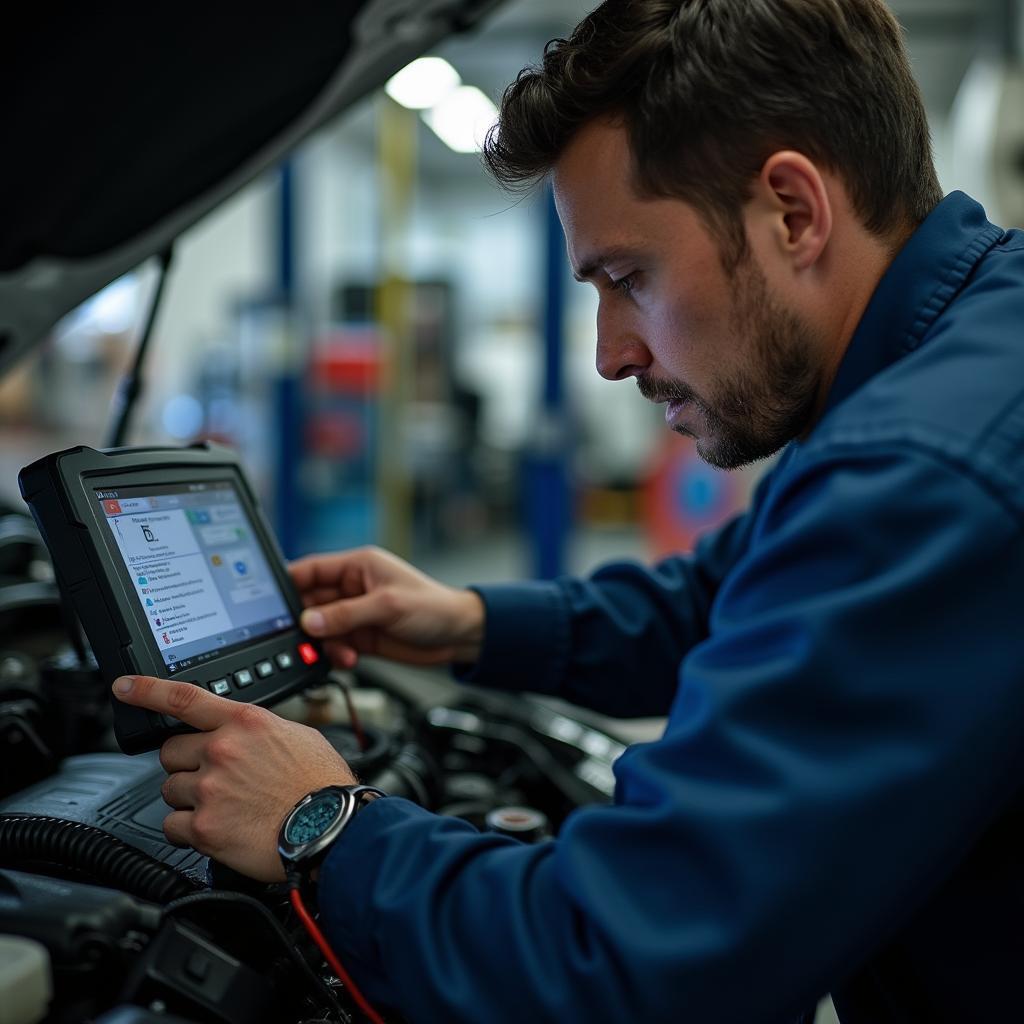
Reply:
x=412, y=779
x=33, y=839
x=16, y=597
x=295, y=895
x=19, y=529
x=241, y=900
x=536, y=752
x=130, y=388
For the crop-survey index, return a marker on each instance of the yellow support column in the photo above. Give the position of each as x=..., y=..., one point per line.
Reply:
x=397, y=129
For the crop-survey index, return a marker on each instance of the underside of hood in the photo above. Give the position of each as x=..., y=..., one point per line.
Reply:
x=121, y=131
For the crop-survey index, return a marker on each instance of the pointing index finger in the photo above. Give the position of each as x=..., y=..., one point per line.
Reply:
x=182, y=700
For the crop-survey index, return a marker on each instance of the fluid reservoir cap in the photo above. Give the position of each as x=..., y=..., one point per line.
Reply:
x=25, y=983
x=523, y=823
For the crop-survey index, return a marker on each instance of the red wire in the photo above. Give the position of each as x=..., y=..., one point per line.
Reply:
x=332, y=959
x=357, y=726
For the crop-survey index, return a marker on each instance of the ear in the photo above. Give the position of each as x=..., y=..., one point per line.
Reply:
x=793, y=190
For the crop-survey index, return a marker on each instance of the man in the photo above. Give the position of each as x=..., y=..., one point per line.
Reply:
x=749, y=186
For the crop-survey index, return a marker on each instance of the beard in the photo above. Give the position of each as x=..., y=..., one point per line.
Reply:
x=771, y=397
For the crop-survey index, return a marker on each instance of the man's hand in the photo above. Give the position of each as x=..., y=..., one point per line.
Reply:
x=368, y=601
x=232, y=783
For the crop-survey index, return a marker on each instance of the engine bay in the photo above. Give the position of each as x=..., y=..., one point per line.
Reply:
x=101, y=919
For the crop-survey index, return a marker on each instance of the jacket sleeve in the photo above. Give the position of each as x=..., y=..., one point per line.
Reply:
x=612, y=642
x=851, y=724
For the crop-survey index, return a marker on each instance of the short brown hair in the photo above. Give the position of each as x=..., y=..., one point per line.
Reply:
x=709, y=89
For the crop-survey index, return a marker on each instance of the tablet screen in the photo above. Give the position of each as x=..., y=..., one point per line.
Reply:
x=197, y=567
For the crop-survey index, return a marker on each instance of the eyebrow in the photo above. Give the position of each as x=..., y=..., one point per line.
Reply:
x=594, y=263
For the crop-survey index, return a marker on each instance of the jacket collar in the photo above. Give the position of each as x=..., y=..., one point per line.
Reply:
x=919, y=284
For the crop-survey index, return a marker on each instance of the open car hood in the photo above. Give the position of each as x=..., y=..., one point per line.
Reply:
x=121, y=131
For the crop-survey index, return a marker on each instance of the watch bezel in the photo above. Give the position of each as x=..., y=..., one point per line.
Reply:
x=307, y=854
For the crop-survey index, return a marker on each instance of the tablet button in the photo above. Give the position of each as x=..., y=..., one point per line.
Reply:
x=307, y=652
x=220, y=687
x=243, y=678
x=284, y=661
x=264, y=669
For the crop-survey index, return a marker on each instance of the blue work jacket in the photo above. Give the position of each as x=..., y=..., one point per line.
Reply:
x=832, y=807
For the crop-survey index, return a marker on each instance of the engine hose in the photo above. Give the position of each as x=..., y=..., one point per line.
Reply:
x=28, y=840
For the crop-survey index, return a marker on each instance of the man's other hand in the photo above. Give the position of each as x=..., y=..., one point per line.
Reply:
x=232, y=783
x=368, y=601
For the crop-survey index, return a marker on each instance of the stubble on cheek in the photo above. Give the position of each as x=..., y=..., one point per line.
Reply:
x=765, y=398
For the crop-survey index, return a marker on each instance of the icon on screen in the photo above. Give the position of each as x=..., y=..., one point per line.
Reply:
x=241, y=568
x=159, y=622
x=143, y=581
x=166, y=639
x=112, y=507
x=151, y=537
x=149, y=602
x=216, y=560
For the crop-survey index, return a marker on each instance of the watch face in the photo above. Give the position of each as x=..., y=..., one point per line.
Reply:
x=311, y=821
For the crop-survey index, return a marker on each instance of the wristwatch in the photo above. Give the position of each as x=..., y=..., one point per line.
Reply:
x=314, y=823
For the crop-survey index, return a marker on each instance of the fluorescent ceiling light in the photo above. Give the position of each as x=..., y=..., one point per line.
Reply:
x=462, y=118
x=423, y=83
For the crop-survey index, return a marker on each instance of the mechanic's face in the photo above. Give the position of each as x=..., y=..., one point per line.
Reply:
x=736, y=368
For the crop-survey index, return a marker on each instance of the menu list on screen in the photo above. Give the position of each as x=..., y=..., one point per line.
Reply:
x=197, y=568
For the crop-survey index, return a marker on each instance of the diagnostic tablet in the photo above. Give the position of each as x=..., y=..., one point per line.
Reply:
x=173, y=572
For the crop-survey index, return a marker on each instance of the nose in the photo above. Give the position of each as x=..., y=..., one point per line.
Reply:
x=621, y=352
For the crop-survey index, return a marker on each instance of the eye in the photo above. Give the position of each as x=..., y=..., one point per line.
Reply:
x=625, y=284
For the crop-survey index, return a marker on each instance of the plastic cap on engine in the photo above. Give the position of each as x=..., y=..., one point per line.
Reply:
x=25, y=980
x=523, y=823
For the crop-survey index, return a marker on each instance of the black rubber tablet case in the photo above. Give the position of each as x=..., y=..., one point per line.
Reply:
x=61, y=490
